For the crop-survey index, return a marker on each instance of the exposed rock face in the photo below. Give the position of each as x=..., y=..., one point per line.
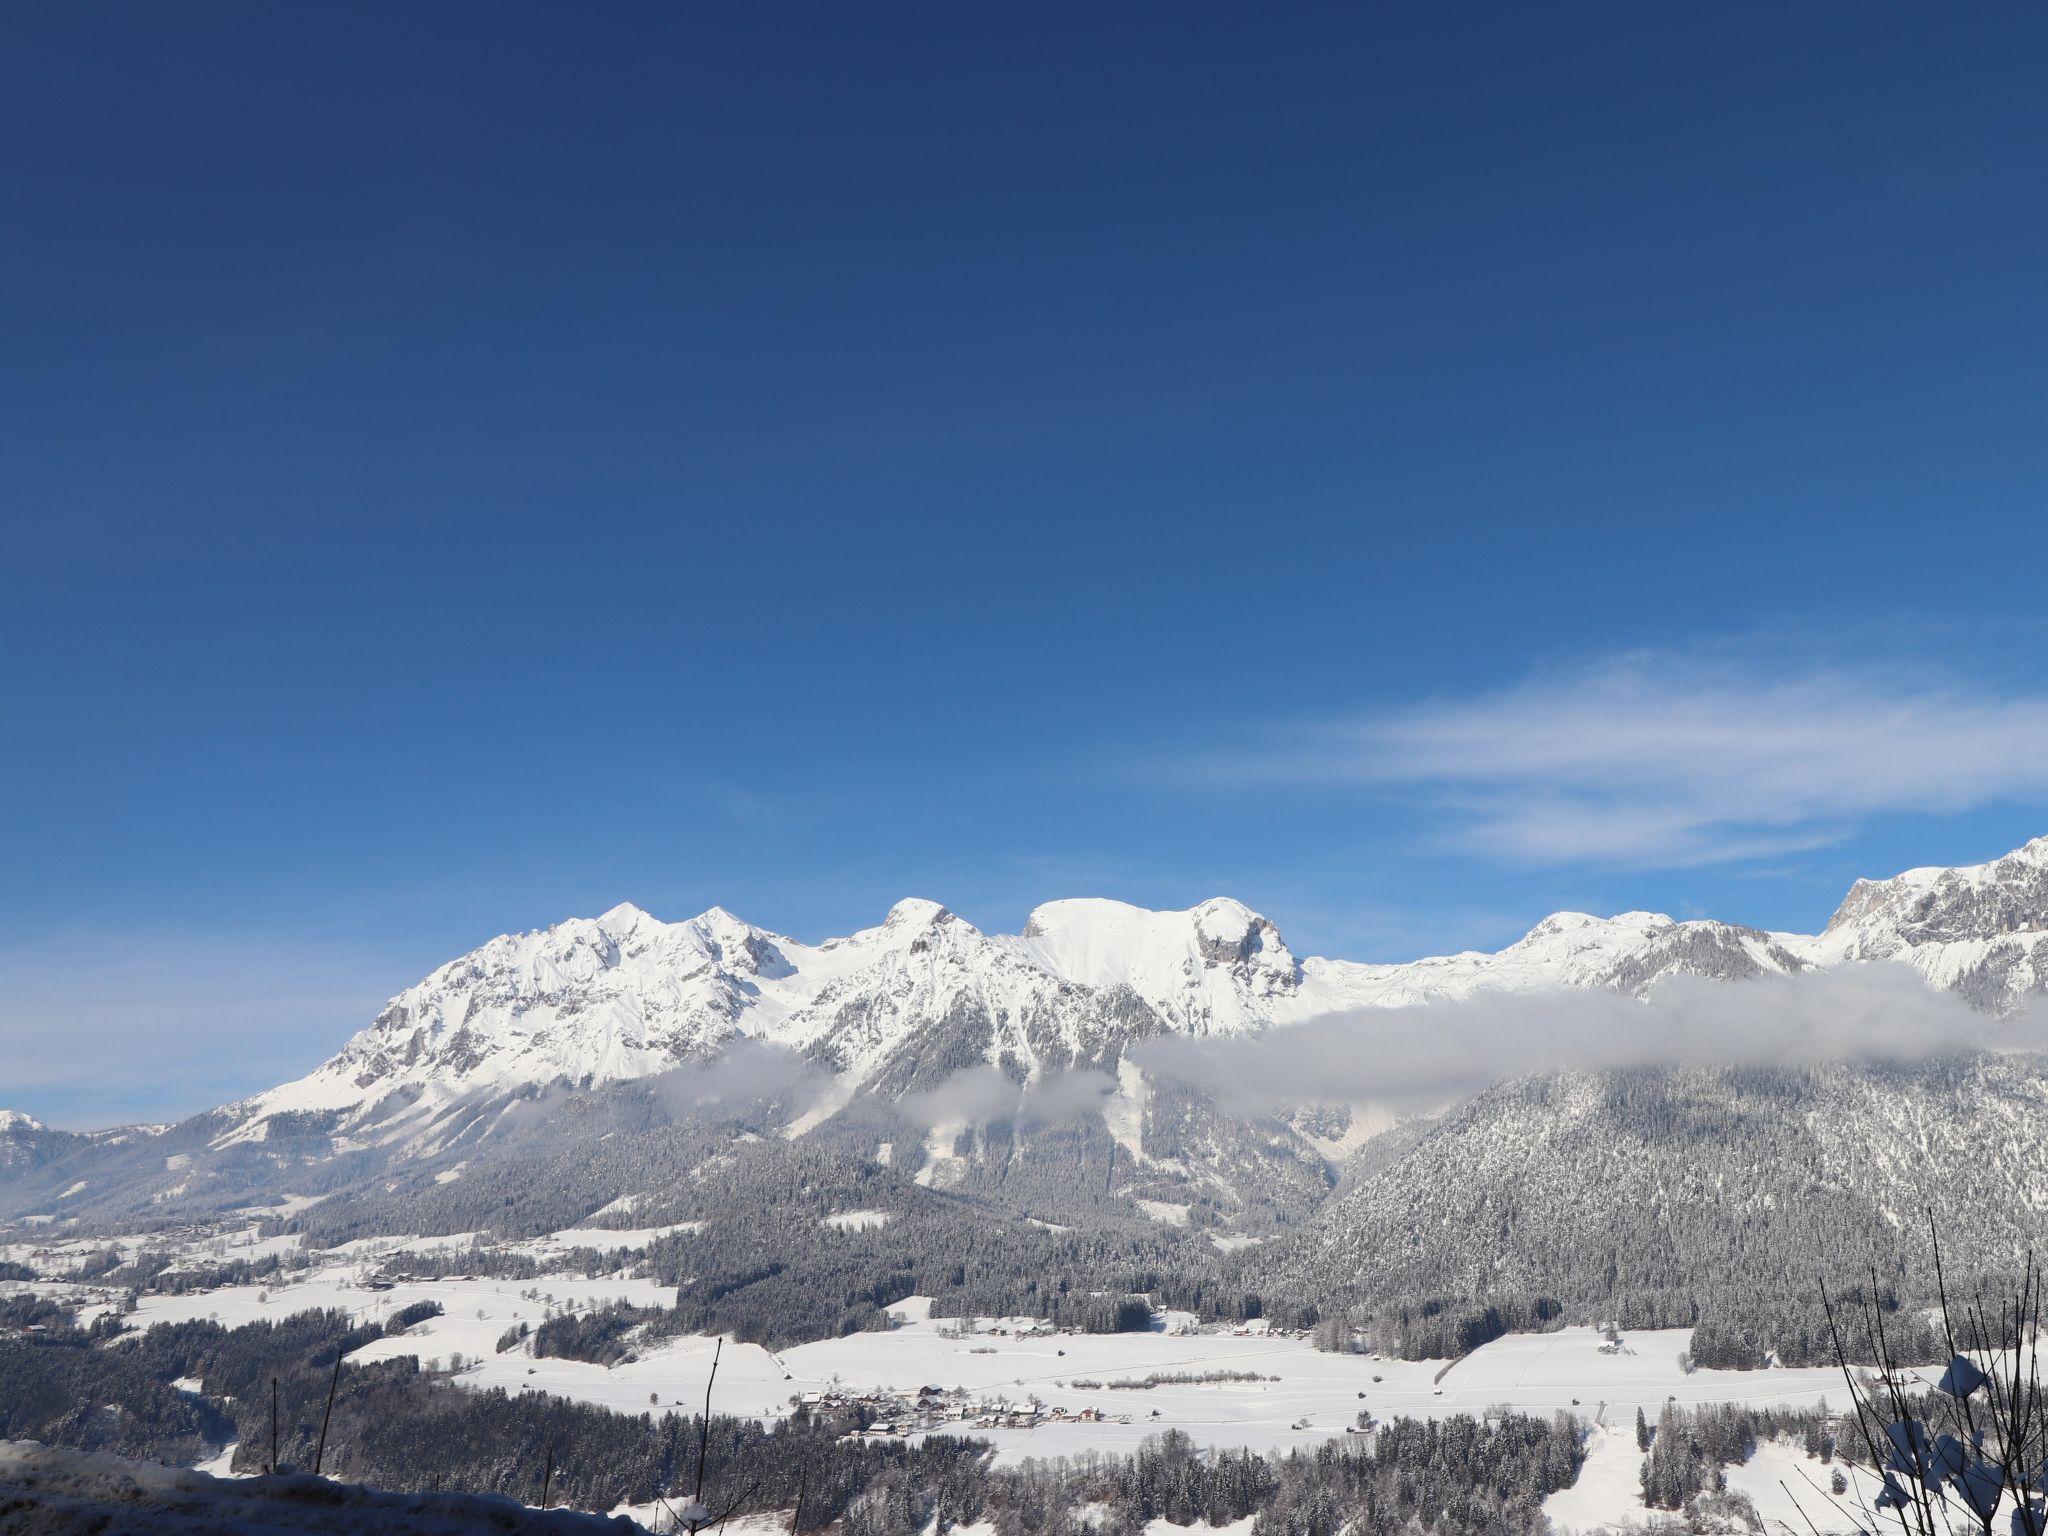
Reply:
x=1718, y=951
x=1947, y=906
x=1980, y=930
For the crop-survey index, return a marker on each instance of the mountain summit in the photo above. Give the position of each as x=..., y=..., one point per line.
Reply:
x=897, y=1007
x=953, y=1048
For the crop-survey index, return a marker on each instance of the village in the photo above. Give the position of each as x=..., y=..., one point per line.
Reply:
x=889, y=1414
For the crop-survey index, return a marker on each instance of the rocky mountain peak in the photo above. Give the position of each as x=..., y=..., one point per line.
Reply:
x=1230, y=933
x=624, y=917
x=2005, y=896
x=917, y=912
x=626, y=994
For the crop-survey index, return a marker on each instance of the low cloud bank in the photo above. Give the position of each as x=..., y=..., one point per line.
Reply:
x=1423, y=1057
x=981, y=1095
x=1419, y=1057
x=745, y=1072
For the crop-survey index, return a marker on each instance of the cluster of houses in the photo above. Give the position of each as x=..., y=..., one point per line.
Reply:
x=389, y=1279
x=893, y=1415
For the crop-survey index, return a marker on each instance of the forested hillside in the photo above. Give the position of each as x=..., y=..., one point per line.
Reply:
x=1724, y=1196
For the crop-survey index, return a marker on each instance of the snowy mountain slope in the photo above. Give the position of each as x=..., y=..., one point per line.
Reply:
x=1637, y=1190
x=1218, y=968
x=899, y=1006
x=519, y=1086
x=1980, y=930
x=1672, y=1168
x=590, y=999
x=1631, y=952
x=25, y=1142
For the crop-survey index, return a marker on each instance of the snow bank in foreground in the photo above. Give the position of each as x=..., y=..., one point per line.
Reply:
x=49, y=1492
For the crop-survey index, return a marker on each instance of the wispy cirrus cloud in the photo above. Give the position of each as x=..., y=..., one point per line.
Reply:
x=1661, y=759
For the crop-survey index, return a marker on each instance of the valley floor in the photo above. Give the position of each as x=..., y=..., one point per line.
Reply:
x=1005, y=1365
x=1312, y=1396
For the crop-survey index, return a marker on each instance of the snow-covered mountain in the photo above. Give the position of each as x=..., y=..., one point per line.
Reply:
x=899, y=1006
x=25, y=1142
x=1980, y=930
x=1630, y=952
x=896, y=1007
x=437, y=1097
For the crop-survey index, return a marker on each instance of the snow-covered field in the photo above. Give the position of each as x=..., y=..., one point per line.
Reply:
x=1788, y=1488
x=1314, y=1396
x=1305, y=1397
x=1608, y=1489
x=475, y=1311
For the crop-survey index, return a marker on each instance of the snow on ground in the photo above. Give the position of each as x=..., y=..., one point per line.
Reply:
x=1609, y=1491
x=61, y=1255
x=858, y=1221
x=87, y=1300
x=1790, y=1491
x=368, y=1248
x=1308, y=1397
x=1542, y=1371
x=1788, y=1488
x=46, y=1490
x=248, y=1245
x=768, y=1522
x=499, y=1300
x=1316, y=1397
x=284, y=1205
x=222, y=1463
x=837, y=1095
x=604, y=1239
x=941, y=1168
x=1164, y=1211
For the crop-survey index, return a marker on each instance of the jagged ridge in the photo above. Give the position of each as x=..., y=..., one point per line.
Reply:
x=895, y=1006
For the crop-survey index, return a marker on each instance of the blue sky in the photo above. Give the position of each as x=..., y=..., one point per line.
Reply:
x=466, y=466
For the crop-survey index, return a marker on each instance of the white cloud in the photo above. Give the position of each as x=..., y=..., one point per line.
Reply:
x=1426, y=1056
x=1663, y=760
x=981, y=1095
